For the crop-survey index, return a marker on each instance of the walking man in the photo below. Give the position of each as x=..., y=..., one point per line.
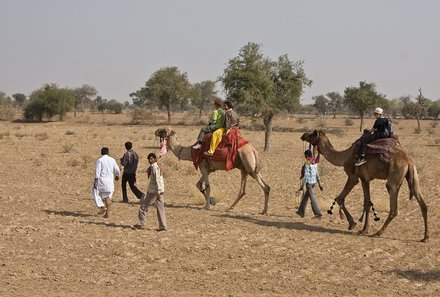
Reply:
x=154, y=194
x=106, y=171
x=130, y=162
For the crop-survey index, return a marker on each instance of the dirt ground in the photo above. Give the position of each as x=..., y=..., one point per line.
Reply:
x=53, y=242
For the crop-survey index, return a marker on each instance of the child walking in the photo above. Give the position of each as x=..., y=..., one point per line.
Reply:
x=309, y=178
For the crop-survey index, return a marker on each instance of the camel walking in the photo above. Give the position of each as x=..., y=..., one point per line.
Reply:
x=401, y=166
x=246, y=160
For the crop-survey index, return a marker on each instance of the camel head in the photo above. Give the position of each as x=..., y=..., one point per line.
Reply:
x=163, y=134
x=312, y=137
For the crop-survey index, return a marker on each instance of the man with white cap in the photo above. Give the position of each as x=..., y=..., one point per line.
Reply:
x=379, y=130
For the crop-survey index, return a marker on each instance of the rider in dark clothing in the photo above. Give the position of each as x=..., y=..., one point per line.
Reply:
x=379, y=130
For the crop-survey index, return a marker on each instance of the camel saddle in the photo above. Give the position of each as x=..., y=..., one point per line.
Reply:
x=384, y=147
x=226, y=150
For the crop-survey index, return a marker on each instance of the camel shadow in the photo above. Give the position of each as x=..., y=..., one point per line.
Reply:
x=182, y=206
x=286, y=225
x=66, y=213
x=417, y=275
x=110, y=225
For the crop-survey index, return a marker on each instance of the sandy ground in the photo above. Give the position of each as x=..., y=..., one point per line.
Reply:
x=53, y=243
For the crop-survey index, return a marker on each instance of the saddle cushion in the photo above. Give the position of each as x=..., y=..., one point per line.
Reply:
x=226, y=150
x=384, y=147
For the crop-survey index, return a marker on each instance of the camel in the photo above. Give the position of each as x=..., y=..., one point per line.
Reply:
x=401, y=166
x=246, y=160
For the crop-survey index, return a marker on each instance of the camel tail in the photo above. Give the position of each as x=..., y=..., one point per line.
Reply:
x=258, y=165
x=413, y=180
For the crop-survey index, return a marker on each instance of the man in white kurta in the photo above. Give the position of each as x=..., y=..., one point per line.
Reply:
x=106, y=172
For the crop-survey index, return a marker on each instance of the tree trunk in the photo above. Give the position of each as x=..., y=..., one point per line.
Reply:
x=418, y=125
x=268, y=121
x=200, y=113
x=362, y=123
x=169, y=115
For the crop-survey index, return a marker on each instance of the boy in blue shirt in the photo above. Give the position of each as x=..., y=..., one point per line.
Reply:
x=309, y=178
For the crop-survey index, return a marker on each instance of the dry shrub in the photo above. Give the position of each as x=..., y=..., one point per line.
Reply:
x=434, y=124
x=321, y=123
x=37, y=162
x=348, y=122
x=73, y=162
x=7, y=113
x=4, y=135
x=41, y=136
x=86, y=160
x=20, y=135
x=142, y=116
x=301, y=120
x=68, y=148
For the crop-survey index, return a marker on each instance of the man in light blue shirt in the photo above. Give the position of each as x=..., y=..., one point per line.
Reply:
x=310, y=177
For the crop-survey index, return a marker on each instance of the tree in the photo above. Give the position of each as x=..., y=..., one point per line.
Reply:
x=167, y=87
x=83, y=95
x=49, y=101
x=434, y=109
x=335, y=102
x=363, y=99
x=321, y=104
x=417, y=109
x=263, y=87
x=203, y=95
x=5, y=100
x=20, y=99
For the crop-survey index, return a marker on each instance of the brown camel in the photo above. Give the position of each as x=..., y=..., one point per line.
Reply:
x=401, y=166
x=246, y=160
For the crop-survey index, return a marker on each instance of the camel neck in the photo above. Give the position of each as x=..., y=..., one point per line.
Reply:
x=332, y=155
x=182, y=153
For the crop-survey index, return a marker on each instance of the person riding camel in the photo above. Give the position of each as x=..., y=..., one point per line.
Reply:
x=379, y=130
x=215, y=122
x=231, y=121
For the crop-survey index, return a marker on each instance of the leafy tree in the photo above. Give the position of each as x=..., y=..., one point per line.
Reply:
x=203, y=95
x=5, y=100
x=49, y=101
x=434, y=109
x=335, y=102
x=20, y=99
x=263, y=87
x=167, y=87
x=363, y=99
x=321, y=104
x=83, y=96
x=417, y=109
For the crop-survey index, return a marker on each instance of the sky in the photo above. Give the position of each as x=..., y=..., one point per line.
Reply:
x=116, y=46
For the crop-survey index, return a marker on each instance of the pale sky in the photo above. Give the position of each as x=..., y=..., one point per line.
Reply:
x=116, y=46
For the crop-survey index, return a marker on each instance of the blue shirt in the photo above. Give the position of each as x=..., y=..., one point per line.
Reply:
x=311, y=175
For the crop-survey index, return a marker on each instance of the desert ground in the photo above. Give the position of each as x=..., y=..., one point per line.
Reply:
x=53, y=242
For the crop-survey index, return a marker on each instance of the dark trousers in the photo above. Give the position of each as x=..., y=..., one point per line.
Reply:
x=131, y=179
x=366, y=139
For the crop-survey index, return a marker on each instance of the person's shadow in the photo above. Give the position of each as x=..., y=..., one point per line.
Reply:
x=417, y=275
x=66, y=213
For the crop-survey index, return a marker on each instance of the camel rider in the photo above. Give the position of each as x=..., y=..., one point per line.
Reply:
x=379, y=130
x=231, y=121
x=216, y=121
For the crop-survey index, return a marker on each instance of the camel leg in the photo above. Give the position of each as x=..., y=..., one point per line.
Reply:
x=367, y=206
x=204, y=179
x=266, y=190
x=424, y=209
x=394, y=193
x=349, y=185
x=242, y=191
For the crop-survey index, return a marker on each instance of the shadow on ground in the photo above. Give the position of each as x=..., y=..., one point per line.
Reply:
x=417, y=275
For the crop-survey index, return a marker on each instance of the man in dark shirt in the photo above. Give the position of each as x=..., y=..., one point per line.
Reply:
x=130, y=162
x=379, y=130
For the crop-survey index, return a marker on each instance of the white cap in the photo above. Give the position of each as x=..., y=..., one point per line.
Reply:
x=378, y=110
